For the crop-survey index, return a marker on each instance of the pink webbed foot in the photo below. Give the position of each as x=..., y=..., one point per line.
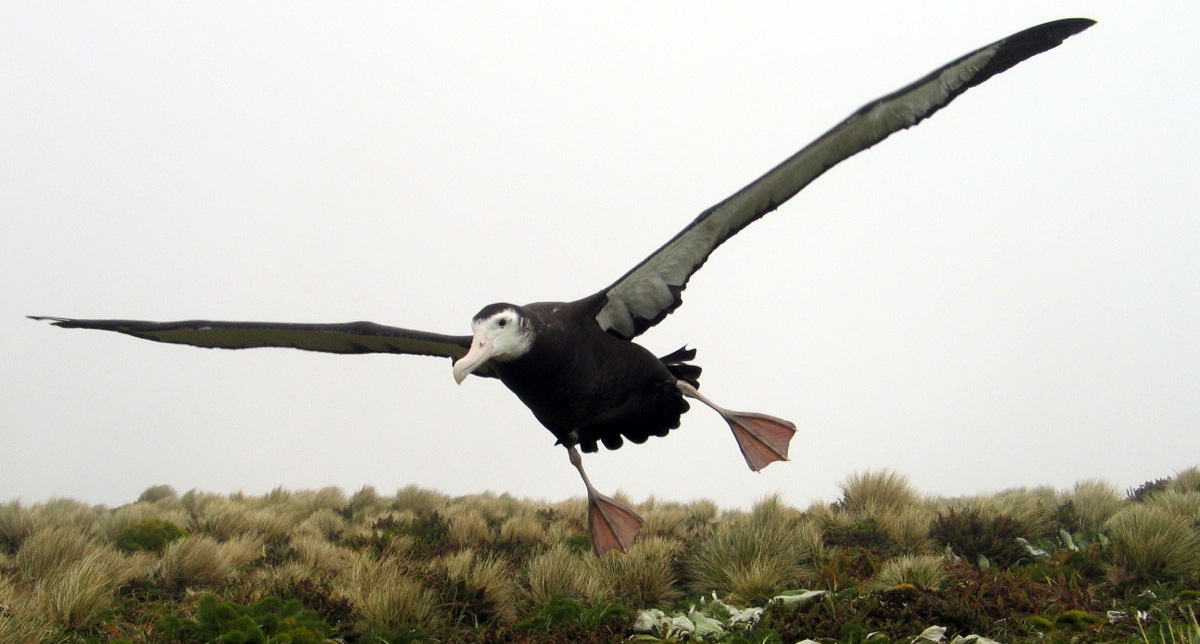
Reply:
x=613, y=524
x=763, y=439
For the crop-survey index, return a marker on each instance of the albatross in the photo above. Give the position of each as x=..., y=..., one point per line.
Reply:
x=574, y=364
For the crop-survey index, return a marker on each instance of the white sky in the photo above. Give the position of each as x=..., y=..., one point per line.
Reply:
x=1007, y=295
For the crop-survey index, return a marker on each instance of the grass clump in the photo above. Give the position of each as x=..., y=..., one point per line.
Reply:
x=922, y=571
x=156, y=493
x=750, y=557
x=645, y=576
x=560, y=571
x=76, y=596
x=477, y=588
x=386, y=596
x=1094, y=501
x=200, y=560
x=16, y=524
x=1186, y=481
x=1151, y=544
x=871, y=492
x=49, y=550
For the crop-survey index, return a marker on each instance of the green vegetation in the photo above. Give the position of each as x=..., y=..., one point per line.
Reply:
x=881, y=564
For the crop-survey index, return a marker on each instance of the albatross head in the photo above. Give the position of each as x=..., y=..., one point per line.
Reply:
x=502, y=333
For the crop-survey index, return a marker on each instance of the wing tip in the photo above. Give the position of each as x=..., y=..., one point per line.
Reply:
x=56, y=321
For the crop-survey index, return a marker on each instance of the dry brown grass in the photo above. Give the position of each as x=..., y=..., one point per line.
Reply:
x=386, y=594
x=909, y=528
x=557, y=572
x=1095, y=501
x=16, y=524
x=468, y=528
x=1150, y=544
x=200, y=560
x=644, y=577
x=77, y=595
x=750, y=557
x=1185, y=505
x=479, y=587
x=48, y=551
x=22, y=620
x=925, y=571
x=524, y=530
x=1186, y=481
x=869, y=493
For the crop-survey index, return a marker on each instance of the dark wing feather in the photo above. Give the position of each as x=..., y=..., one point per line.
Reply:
x=653, y=289
x=349, y=337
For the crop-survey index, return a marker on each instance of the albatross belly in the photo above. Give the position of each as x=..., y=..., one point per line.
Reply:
x=599, y=389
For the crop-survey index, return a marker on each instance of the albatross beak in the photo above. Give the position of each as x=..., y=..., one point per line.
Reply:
x=481, y=351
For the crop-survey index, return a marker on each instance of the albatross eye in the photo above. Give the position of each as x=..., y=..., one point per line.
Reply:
x=502, y=322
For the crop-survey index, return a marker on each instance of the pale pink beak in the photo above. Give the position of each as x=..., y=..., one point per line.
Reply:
x=481, y=351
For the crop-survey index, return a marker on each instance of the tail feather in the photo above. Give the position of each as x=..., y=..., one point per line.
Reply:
x=677, y=363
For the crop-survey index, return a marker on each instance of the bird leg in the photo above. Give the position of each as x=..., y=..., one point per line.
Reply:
x=612, y=523
x=763, y=439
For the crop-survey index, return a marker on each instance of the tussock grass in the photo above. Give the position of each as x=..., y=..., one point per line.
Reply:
x=229, y=518
x=750, y=557
x=327, y=498
x=48, y=551
x=1150, y=543
x=21, y=620
x=321, y=556
x=924, y=571
x=1095, y=501
x=645, y=576
x=77, y=595
x=478, y=588
x=879, y=491
x=67, y=514
x=523, y=531
x=385, y=594
x=1185, y=505
x=418, y=500
x=557, y=572
x=16, y=524
x=1186, y=481
x=111, y=526
x=324, y=523
x=668, y=521
x=158, y=493
x=362, y=501
x=200, y=560
x=468, y=528
x=1032, y=509
x=909, y=528
x=421, y=564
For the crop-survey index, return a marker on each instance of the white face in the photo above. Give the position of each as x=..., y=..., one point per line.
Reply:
x=506, y=333
x=502, y=336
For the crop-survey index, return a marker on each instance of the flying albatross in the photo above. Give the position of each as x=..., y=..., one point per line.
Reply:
x=574, y=363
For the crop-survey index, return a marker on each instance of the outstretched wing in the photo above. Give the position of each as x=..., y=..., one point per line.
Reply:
x=349, y=337
x=653, y=289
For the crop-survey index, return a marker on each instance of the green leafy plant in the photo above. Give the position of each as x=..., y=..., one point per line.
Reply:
x=224, y=622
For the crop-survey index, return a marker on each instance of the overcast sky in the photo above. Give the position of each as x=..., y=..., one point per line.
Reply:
x=1006, y=295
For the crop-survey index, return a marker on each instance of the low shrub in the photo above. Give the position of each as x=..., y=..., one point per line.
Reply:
x=150, y=535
